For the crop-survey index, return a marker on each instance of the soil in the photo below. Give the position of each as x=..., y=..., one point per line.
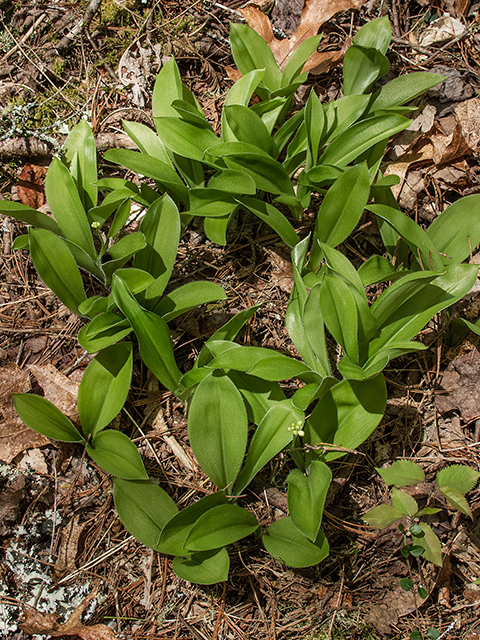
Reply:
x=62, y=544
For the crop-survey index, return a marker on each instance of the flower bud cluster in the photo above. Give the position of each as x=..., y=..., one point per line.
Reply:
x=296, y=428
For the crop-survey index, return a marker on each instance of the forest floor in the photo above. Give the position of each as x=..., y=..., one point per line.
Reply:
x=62, y=545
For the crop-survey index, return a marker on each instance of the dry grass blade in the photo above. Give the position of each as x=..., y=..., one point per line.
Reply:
x=314, y=14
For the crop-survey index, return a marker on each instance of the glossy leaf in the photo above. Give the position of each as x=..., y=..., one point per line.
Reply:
x=66, y=206
x=147, y=141
x=144, y=508
x=339, y=313
x=161, y=228
x=28, y=215
x=271, y=436
x=347, y=414
x=104, y=330
x=217, y=428
x=177, y=529
x=456, y=231
x=187, y=297
x=306, y=497
x=204, y=567
x=247, y=126
x=402, y=473
x=81, y=142
x=56, y=267
x=186, y=138
x=104, y=387
x=151, y=167
x=259, y=395
x=297, y=59
x=362, y=66
x=220, y=526
x=403, y=89
x=117, y=455
x=271, y=216
x=152, y=334
x=43, y=417
x=375, y=33
x=285, y=542
x=250, y=52
x=350, y=144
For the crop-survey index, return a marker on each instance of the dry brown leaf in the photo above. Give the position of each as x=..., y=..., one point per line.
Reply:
x=34, y=622
x=57, y=388
x=15, y=437
x=468, y=115
x=67, y=553
x=314, y=14
x=461, y=7
x=30, y=186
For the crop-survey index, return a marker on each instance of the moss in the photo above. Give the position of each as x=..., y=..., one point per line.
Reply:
x=58, y=66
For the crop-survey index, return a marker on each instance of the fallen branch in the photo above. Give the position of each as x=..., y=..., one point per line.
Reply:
x=27, y=148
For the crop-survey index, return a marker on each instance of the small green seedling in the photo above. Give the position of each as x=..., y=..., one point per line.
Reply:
x=419, y=538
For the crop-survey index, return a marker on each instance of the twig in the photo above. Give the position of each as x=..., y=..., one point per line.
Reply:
x=99, y=55
x=67, y=40
x=25, y=37
x=396, y=24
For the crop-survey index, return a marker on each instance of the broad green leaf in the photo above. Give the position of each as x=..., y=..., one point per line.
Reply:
x=264, y=363
x=403, y=89
x=161, y=228
x=220, y=526
x=306, y=497
x=222, y=207
x=409, y=303
x=66, y=206
x=80, y=141
x=187, y=297
x=29, y=216
x=117, y=455
x=217, y=428
x=404, y=502
x=361, y=136
x=20, y=242
x=382, y=516
x=204, y=567
x=419, y=242
x=167, y=88
x=375, y=33
x=298, y=58
x=247, y=126
x=456, y=499
x=342, y=113
x=402, y=473
x=216, y=228
x=135, y=279
x=362, y=66
x=339, y=312
x=93, y=306
x=430, y=542
x=250, y=52
x=307, y=330
x=273, y=217
x=268, y=174
x=144, y=508
x=459, y=477
x=456, y=231
x=104, y=330
x=285, y=542
x=43, y=417
x=271, y=436
x=147, y=141
x=56, y=267
x=153, y=336
x=177, y=530
x=190, y=113
x=259, y=395
x=151, y=168
x=347, y=414
x=126, y=247
x=104, y=387
x=378, y=269
x=186, y=138
x=314, y=126
x=121, y=217
x=244, y=88
x=233, y=182
x=287, y=130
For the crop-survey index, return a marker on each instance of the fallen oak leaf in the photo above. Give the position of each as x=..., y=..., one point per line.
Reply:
x=37, y=623
x=314, y=14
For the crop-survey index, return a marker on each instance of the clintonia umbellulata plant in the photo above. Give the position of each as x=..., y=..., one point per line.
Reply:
x=262, y=160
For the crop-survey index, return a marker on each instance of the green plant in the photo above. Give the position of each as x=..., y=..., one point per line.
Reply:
x=262, y=161
x=453, y=482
